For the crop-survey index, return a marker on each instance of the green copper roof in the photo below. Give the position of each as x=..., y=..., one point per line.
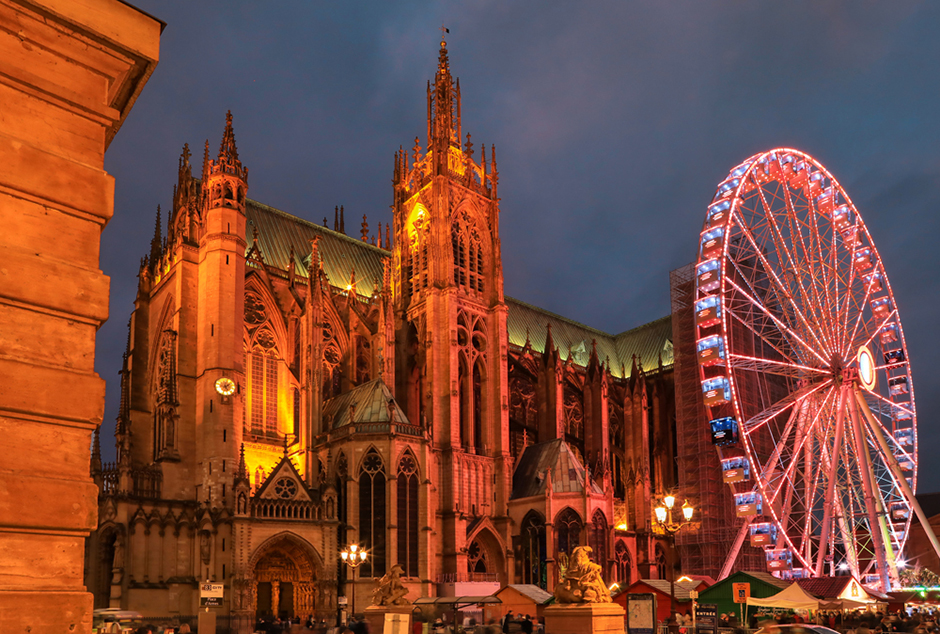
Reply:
x=340, y=254
x=648, y=342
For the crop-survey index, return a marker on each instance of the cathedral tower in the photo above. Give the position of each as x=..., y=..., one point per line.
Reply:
x=452, y=317
x=220, y=350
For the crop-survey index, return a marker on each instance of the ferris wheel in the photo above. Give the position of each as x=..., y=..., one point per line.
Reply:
x=805, y=373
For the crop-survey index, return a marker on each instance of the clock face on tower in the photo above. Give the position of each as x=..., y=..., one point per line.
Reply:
x=225, y=386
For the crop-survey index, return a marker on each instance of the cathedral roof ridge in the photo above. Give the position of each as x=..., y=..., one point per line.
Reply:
x=326, y=230
x=648, y=324
x=549, y=313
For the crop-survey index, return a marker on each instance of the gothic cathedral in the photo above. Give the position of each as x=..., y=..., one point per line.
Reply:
x=288, y=390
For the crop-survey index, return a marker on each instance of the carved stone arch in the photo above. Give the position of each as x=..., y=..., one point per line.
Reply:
x=569, y=530
x=406, y=452
x=341, y=465
x=370, y=450
x=273, y=315
x=407, y=483
x=486, y=535
x=293, y=544
x=597, y=538
x=164, y=323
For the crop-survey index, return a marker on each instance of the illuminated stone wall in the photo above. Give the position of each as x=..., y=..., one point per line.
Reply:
x=69, y=74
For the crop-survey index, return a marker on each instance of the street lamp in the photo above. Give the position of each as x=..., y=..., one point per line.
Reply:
x=353, y=556
x=664, y=513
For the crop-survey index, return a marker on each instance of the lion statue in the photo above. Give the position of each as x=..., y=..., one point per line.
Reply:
x=390, y=590
x=582, y=581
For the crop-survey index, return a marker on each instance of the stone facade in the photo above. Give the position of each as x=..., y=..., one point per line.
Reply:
x=288, y=389
x=69, y=74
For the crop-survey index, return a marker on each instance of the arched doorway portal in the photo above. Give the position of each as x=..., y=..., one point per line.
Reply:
x=284, y=574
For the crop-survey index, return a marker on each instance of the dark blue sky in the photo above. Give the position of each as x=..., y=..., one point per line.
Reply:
x=613, y=121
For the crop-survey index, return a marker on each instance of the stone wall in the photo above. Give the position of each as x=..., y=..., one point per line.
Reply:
x=69, y=74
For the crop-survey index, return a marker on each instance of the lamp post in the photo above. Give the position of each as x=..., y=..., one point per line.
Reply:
x=353, y=556
x=664, y=514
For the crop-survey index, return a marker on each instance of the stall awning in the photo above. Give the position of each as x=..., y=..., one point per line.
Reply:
x=456, y=601
x=792, y=597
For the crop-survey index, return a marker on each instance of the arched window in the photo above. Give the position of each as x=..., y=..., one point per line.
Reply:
x=660, y=562
x=408, y=530
x=467, y=251
x=166, y=398
x=471, y=339
x=296, y=413
x=532, y=536
x=464, y=404
x=568, y=528
x=418, y=250
x=478, y=405
x=372, y=513
x=476, y=559
x=623, y=567
x=598, y=540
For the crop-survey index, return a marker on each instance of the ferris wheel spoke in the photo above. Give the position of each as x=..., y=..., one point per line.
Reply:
x=790, y=263
x=803, y=433
x=756, y=421
x=781, y=287
x=884, y=406
x=884, y=322
x=830, y=483
x=825, y=265
x=859, y=320
x=812, y=303
x=780, y=368
x=801, y=268
x=793, y=336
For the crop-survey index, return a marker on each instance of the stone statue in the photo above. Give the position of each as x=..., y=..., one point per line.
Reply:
x=390, y=590
x=582, y=581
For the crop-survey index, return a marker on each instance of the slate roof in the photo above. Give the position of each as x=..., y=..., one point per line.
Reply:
x=662, y=586
x=370, y=402
x=567, y=471
x=341, y=254
x=530, y=591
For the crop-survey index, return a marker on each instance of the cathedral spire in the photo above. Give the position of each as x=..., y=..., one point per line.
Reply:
x=156, y=243
x=242, y=473
x=96, y=452
x=443, y=105
x=227, y=161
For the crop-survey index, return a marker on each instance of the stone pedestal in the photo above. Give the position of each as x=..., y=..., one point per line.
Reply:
x=375, y=617
x=584, y=618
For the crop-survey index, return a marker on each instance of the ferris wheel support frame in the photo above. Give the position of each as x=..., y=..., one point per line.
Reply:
x=896, y=470
x=887, y=568
x=831, y=486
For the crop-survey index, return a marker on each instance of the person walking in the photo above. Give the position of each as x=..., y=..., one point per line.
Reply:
x=507, y=621
x=527, y=625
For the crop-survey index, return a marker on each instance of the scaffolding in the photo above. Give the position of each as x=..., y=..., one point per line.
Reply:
x=705, y=544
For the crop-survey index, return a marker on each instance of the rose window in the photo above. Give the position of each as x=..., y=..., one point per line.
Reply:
x=285, y=488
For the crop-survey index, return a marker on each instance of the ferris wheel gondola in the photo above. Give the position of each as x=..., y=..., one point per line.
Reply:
x=805, y=373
